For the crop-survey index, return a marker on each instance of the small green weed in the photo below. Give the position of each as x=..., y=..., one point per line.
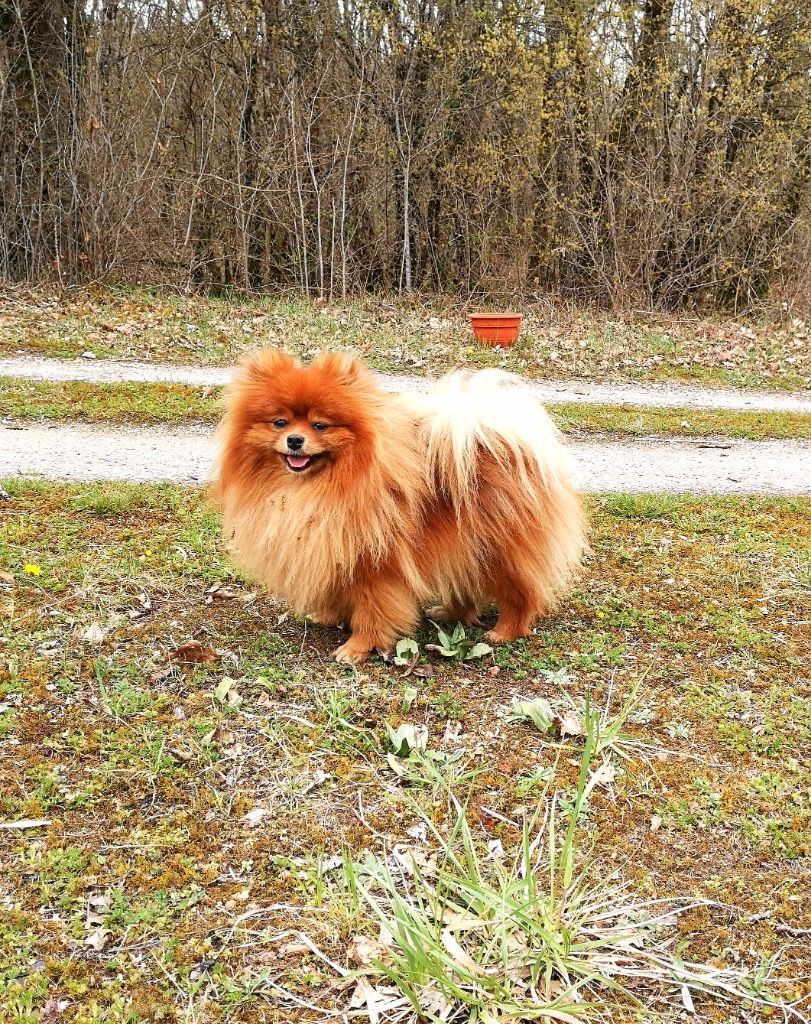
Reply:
x=457, y=644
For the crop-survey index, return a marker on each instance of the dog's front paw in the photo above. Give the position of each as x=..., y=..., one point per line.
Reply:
x=353, y=652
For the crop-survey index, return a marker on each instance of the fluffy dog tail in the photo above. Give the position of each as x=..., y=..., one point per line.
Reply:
x=499, y=461
x=490, y=411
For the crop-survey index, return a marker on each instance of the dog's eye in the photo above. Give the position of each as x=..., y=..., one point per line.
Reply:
x=320, y=427
x=278, y=424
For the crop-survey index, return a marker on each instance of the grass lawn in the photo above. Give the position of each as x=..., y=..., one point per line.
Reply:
x=211, y=787
x=409, y=336
x=149, y=404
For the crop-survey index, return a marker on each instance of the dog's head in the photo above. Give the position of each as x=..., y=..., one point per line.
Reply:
x=300, y=420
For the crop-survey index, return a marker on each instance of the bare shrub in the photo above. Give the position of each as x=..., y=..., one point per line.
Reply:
x=636, y=151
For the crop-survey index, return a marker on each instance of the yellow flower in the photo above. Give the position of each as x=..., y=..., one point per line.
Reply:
x=32, y=570
x=148, y=552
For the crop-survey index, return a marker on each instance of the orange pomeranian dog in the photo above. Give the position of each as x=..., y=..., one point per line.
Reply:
x=357, y=506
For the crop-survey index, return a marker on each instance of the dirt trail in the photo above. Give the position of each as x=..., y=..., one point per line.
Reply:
x=643, y=395
x=85, y=452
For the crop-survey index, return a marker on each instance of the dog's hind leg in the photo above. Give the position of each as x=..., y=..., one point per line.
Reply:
x=517, y=604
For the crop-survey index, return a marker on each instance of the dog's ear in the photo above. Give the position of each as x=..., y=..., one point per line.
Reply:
x=265, y=363
x=344, y=367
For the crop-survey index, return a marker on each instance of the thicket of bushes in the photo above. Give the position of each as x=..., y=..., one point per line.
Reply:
x=632, y=151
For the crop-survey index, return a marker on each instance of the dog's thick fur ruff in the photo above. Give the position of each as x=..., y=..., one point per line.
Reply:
x=462, y=494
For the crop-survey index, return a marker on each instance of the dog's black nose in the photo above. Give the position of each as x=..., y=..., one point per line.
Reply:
x=295, y=442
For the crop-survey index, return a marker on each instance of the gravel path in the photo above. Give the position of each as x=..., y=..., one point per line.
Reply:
x=644, y=395
x=79, y=452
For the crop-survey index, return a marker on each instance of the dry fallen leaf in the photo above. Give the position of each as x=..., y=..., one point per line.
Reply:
x=363, y=951
x=193, y=653
x=221, y=592
x=160, y=675
x=433, y=1001
x=452, y=730
x=461, y=958
x=52, y=1009
x=180, y=753
x=95, y=902
x=570, y=724
x=99, y=939
x=94, y=633
x=605, y=774
x=225, y=740
x=376, y=999
x=414, y=858
x=294, y=948
x=145, y=602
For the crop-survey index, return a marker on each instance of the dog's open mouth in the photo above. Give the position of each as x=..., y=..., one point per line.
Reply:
x=298, y=463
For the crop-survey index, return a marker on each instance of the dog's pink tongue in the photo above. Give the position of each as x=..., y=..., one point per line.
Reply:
x=298, y=461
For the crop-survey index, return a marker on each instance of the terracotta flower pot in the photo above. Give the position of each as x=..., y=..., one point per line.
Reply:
x=496, y=328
